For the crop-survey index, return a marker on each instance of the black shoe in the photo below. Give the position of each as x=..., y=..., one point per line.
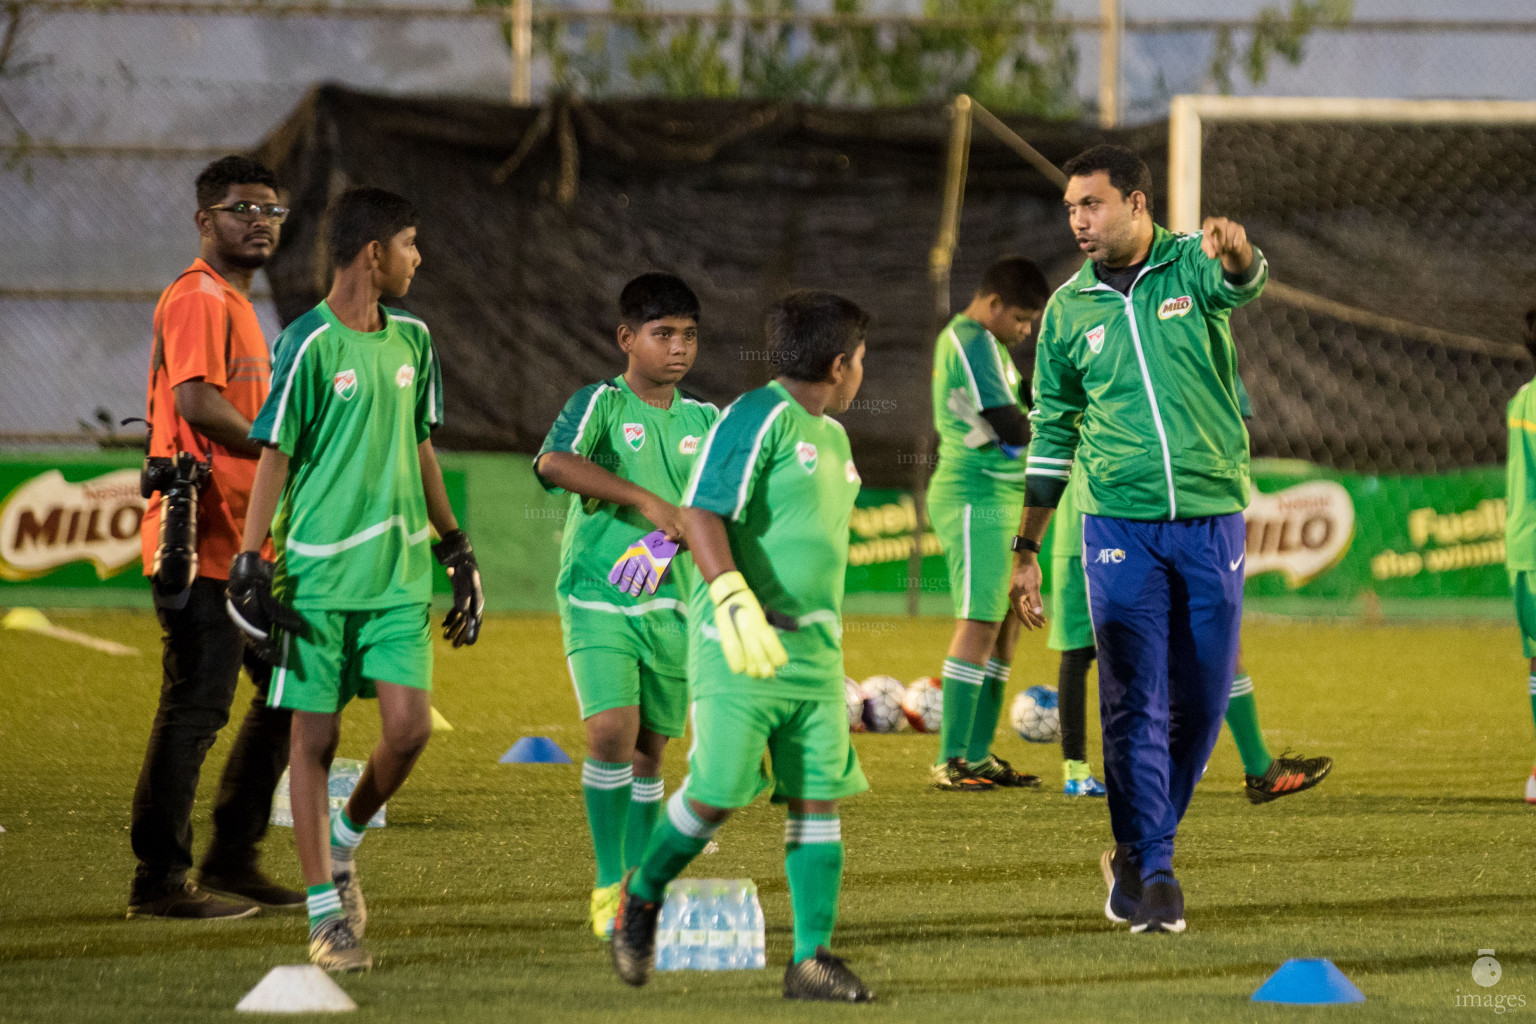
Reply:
x=826, y=978
x=634, y=935
x=956, y=776
x=1123, y=879
x=191, y=903
x=250, y=884
x=1000, y=773
x=1162, y=906
x=1287, y=775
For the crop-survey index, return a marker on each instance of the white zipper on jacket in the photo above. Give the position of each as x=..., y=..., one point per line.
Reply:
x=1146, y=378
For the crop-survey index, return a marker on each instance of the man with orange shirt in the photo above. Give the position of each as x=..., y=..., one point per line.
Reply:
x=209, y=374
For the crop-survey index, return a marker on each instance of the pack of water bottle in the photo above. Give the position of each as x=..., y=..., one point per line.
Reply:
x=711, y=924
x=343, y=780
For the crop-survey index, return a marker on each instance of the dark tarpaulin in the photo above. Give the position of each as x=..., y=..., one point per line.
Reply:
x=744, y=200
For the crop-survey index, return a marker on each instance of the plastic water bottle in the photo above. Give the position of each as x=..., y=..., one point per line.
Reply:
x=667, y=945
x=342, y=781
x=721, y=952
x=693, y=930
x=751, y=939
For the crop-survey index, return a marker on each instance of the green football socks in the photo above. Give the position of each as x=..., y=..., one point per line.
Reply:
x=813, y=863
x=963, y=683
x=1243, y=720
x=989, y=708
x=324, y=903
x=1533, y=698
x=345, y=838
x=605, y=788
x=644, y=808
x=677, y=839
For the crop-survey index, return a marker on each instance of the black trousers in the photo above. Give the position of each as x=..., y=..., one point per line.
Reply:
x=203, y=653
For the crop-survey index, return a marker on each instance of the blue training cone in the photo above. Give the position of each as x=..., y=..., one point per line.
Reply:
x=535, y=750
x=1308, y=983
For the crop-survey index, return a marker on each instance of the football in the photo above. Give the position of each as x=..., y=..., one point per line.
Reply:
x=924, y=704
x=1035, y=715
x=882, y=704
x=853, y=696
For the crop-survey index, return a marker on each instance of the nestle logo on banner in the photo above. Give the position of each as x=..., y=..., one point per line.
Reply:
x=1301, y=531
x=48, y=522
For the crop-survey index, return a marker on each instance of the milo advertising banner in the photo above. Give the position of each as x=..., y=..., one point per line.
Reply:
x=1311, y=533
x=71, y=522
x=1314, y=533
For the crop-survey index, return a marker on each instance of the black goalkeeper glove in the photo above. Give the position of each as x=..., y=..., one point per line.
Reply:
x=251, y=605
x=462, y=626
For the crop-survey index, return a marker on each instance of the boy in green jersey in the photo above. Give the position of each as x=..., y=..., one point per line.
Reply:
x=350, y=489
x=1520, y=521
x=766, y=517
x=623, y=449
x=974, y=500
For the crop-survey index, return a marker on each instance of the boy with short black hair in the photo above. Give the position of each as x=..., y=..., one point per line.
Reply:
x=350, y=488
x=624, y=448
x=766, y=518
x=974, y=498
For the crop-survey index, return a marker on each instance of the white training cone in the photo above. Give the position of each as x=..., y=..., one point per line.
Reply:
x=297, y=988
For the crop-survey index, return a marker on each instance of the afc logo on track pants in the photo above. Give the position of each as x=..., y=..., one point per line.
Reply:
x=1167, y=602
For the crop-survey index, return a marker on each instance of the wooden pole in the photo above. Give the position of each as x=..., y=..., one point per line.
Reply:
x=521, y=14
x=1111, y=23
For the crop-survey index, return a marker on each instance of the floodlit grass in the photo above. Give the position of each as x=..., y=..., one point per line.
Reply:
x=1413, y=856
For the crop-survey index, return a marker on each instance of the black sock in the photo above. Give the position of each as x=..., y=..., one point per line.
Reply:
x=1071, y=687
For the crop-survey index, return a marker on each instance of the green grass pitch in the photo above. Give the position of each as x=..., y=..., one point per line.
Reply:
x=1413, y=856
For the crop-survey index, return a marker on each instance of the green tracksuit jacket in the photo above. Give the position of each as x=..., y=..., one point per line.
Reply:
x=1141, y=390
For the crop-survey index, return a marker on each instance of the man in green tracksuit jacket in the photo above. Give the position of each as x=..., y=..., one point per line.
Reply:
x=1136, y=386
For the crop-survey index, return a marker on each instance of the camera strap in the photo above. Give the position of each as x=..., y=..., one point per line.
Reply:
x=157, y=357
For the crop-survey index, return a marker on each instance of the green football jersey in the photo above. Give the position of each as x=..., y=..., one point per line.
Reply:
x=972, y=371
x=349, y=411
x=653, y=447
x=784, y=482
x=1520, y=483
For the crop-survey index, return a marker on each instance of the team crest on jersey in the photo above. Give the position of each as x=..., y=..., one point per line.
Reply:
x=405, y=375
x=852, y=472
x=634, y=434
x=1175, y=307
x=806, y=453
x=345, y=384
x=1096, y=339
x=688, y=445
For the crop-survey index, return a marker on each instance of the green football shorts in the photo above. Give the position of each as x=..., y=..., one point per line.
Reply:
x=810, y=755
x=606, y=679
x=1071, y=627
x=657, y=637
x=977, y=538
x=1525, y=611
x=342, y=654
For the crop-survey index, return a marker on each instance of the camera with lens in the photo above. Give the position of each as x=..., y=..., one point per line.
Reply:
x=179, y=481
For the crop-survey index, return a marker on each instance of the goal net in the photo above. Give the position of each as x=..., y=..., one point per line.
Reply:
x=1402, y=243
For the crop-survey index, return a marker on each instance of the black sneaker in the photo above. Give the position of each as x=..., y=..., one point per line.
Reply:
x=1000, y=773
x=1287, y=775
x=826, y=978
x=634, y=935
x=956, y=776
x=191, y=903
x=1123, y=880
x=1162, y=906
x=250, y=884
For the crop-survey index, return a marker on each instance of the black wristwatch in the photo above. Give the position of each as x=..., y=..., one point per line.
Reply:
x=1022, y=543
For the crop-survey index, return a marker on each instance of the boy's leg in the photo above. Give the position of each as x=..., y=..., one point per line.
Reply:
x=964, y=677
x=1243, y=720
x=1525, y=618
x=406, y=716
x=312, y=745
x=607, y=778
x=645, y=802
x=963, y=674
x=813, y=864
x=815, y=766
x=994, y=688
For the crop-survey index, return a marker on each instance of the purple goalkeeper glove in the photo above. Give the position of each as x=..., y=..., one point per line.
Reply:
x=644, y=565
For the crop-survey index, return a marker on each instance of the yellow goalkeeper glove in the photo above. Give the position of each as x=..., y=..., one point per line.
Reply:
x=750, y=644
